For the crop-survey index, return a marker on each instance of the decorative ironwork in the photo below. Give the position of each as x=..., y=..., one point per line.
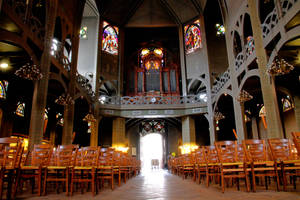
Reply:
x=219, y=116
x=146, y=100
x=220, y=81
x=29, y=72
x=280, y=67
x=64, y=99
x=244, y=96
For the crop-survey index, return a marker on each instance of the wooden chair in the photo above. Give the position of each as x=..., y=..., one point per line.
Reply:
x=232, y=163
x=59, y=170
x=187, y=165
x=33, y=165
x=212, y=164
x=200, y=164
x=105, y=169
x=84, y=168
x=10, y=156
x=296, y=139
x=125, y=166
x=261, y=166
x=289, y=162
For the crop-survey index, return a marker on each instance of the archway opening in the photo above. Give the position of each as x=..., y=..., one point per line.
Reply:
x=151, y=149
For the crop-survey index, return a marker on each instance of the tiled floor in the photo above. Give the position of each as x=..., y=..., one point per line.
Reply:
x=161, y=185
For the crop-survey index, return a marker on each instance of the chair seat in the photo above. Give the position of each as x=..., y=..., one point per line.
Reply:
x=29, y=167
x=57, y=167
x=83, y=167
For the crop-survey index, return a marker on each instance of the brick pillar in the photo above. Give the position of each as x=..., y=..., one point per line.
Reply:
x=68, y=124
x=239, y=120
x=267, y=83
x=118, y=132
x=297, y=111
x=188, y=131
x=41, y=87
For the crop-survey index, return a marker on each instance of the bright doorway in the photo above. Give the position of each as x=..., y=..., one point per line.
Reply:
x=151, y=148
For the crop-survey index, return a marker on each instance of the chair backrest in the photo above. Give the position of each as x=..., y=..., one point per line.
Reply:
x=296, y=139
x=281, y=149
x=211, y=155
x=200, y=156
x=10, y=152
x=227, y=151
x=87, y=156
x=105, y=158
x=256, y=150
x=65, y=155
x=40, y=156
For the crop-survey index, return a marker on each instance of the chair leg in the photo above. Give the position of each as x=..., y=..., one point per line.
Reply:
x=18, y=177
x=253, y=181
x=222, y=182
x=1, y=181
x=45, y=181
x=39, y=181
x=67, y=181
x=93, y=181
x=72, y=182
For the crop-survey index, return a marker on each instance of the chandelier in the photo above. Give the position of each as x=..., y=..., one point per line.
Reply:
x=29, y=72
x=280, y=67
x=218, y=116
x=89, y=118
x=64, y=99
x=244, y=96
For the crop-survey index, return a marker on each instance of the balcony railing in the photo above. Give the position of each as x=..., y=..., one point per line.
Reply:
x=152, y=100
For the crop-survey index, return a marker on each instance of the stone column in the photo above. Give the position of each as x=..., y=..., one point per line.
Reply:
x=118, y=132
x=188, y=131
x=254, y=128
x=267, y=83
x=68, y=124
x=297, y=111
x=94, y=133
x=70, y=108
x=121, y=62
x=182, y=60
x=41, y=87
x=238, y=108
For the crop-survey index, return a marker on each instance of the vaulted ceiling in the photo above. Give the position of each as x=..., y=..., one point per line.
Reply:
x=150, y=13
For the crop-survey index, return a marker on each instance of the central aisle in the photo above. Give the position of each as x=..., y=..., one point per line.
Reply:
x=161, y=185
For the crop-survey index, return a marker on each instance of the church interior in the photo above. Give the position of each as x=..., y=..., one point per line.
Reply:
x=150, y=99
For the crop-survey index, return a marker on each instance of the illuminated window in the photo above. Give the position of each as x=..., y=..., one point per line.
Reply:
x=46, y=114
x=54, y=47
x=20, y=109
x=262, y=111
x=110, y=39
x=83, y=32
x=3, y=89
x=192, y=37
x=60, y=119
x=220, y=29
x=286, y=104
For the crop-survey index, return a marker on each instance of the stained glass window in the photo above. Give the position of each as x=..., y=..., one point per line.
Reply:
x=83, y=32
x=110, y=39
x=46, y=114
x=220, y=29
x=262, y=112
x=20, y=109
x=192, y=37
x=3, y=89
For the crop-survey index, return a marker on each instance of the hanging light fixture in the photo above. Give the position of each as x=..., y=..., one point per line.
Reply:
x=280, y=67
x=244, y=96
x=29, y=72
x=218, y=116
x=64, y=99
x=89, y=118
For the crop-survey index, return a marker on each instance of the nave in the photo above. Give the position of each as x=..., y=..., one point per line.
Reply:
x=162, y=185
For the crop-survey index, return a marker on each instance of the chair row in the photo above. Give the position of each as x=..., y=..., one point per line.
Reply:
x=277, y=158
x=66, y=165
